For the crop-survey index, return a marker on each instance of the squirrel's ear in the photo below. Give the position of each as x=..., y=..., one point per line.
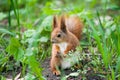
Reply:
x=54, y=22
x=63, y=25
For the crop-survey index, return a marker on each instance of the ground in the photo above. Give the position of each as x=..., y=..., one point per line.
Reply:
x=49, y=76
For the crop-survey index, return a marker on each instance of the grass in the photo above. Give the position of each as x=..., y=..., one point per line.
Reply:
x=26, y=41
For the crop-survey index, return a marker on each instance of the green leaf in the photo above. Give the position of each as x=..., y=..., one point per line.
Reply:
x=19, y=56
x=74, y=74
x=2, y=30
x=13, y=46
x=29, y=77
x=47, y=23
x=49, y=10
x=29, y=52
x=107, y=33
x=43, y=39
x=29, y=33
x=34, y=65
x=118, y=65
x=2, y=16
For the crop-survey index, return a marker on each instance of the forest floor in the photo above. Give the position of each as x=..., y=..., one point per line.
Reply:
x=90, y=75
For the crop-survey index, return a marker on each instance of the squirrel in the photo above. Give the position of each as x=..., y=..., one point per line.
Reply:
x=65, y=36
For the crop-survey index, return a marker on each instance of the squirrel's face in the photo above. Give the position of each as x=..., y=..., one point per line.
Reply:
x=58, y=36
x=59, y=32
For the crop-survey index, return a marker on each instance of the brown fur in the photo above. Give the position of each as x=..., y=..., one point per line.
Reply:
x=65, y=29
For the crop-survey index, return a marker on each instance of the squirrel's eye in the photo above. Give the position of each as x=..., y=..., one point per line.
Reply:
x=58, y=35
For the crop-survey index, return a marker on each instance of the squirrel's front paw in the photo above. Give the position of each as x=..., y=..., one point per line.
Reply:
x=64, y=55
x=58, y=55
x=56, y=72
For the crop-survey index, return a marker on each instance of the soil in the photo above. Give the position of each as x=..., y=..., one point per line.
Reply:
x=90, y=75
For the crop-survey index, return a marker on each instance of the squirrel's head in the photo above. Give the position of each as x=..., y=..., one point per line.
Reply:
x=59, y=30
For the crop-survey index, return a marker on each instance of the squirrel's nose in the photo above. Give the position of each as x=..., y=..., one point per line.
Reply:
x=53, y=41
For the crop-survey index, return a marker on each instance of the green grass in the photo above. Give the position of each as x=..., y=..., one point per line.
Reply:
x=32, y=46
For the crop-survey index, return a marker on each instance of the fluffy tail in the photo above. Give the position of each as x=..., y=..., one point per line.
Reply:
x=75, y=25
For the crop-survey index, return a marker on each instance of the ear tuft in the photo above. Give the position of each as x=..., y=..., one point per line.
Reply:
x=63, y=25
x=54, y=22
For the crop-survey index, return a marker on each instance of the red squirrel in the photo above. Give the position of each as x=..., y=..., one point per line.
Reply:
x=65, y=36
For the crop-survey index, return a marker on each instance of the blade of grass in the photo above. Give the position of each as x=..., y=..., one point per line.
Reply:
x=9, y=16
x=15, y=10
x=18, y=19
x=101, y=46
x=2, y=30
x=101, y=26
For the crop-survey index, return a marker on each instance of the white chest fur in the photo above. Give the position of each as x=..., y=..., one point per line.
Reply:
x=71, y=59
x=63, y=46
